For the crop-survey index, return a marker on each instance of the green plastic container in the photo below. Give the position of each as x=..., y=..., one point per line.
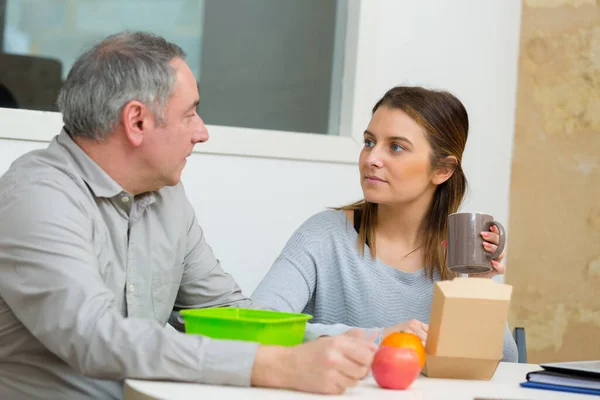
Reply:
x=265, y=327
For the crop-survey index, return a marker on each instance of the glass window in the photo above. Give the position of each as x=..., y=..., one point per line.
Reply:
x=264, y=64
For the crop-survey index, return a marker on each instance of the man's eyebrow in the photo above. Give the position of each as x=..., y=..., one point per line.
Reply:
x=193, y=106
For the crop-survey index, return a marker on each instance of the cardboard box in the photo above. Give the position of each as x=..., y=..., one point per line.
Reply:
x=466, y=328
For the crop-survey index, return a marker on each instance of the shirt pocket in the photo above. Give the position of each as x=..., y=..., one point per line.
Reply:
x=109, y=256
x=166, y=279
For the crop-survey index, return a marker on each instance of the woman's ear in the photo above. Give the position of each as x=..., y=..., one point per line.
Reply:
x=445, y=171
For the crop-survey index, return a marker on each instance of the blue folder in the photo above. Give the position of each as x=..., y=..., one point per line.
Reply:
x=560, y=388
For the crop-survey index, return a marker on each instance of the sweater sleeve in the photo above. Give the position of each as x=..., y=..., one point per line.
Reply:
x=285, y=287
x=292, y=280
x=510, y=353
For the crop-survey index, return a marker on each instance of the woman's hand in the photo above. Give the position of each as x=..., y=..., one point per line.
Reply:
x=490, y=244
x=413, y=326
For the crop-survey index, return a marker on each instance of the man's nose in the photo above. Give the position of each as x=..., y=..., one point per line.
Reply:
x=200, y=133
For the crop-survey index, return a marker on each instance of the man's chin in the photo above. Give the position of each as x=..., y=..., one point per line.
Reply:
x=174, y=181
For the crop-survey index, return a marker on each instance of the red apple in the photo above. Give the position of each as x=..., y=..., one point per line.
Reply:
x=395, y=368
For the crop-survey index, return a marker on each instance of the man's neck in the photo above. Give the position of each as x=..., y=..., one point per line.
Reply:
x=116, y=160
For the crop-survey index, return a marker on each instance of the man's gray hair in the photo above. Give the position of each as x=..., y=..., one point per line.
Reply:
x=123, y=67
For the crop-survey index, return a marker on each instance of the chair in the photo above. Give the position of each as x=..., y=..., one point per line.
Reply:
x=30, y=82
x=519, y=334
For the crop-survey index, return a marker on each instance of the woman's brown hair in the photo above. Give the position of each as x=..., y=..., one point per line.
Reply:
x=446, y=122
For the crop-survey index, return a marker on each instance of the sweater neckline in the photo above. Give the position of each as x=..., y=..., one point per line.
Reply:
x=403, y=275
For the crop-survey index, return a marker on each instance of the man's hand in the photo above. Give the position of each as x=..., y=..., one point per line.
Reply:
x=328, y=365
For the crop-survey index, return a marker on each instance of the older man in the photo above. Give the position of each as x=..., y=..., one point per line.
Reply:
x=99, y=243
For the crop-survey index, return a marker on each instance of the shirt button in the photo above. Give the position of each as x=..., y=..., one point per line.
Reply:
x=132, y=288
x=125, y=199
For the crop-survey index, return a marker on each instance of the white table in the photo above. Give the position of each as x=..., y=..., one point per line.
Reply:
x=503, y=386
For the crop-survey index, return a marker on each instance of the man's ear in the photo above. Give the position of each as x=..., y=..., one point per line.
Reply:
x=136, y=119
x=442, y=173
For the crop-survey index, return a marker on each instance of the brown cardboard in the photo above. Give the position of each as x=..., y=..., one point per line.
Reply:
x=466, y=328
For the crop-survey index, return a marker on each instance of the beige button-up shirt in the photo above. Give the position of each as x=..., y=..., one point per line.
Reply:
x=89, y=275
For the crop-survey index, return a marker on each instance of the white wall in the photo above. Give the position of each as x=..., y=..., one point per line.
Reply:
x=469, y=47
x=249, y=206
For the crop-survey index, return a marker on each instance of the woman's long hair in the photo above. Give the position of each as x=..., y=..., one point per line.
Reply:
x=446, y=123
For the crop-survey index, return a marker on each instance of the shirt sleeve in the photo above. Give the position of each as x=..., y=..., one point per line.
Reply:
x=204, y=283
x=50, y=279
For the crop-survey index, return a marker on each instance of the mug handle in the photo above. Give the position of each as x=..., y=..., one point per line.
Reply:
x=502, y=241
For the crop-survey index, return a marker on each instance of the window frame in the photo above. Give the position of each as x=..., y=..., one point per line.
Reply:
x=354, y=109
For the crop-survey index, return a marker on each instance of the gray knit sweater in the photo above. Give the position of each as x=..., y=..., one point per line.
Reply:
x=321, y=273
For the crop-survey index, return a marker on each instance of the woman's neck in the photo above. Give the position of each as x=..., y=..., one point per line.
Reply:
x=402, y=223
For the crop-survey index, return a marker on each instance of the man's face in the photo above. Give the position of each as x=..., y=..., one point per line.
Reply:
x=167, y=146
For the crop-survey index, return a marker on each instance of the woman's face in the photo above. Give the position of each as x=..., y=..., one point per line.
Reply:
x=394, y=164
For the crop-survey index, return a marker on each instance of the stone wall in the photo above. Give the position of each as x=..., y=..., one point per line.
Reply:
x=554, y=256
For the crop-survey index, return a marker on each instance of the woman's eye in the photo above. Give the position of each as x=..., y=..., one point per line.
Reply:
x=369, y=143
x=397, y=148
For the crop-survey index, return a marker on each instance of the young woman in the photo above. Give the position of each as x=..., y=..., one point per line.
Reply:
x=373, y=264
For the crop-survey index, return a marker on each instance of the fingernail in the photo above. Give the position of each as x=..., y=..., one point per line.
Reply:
x=487, y=245
x=485, y=234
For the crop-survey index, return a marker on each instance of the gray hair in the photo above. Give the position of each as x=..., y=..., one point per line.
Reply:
x=123, y=67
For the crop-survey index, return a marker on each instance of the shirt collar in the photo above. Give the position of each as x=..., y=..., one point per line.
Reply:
x=99, y=182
